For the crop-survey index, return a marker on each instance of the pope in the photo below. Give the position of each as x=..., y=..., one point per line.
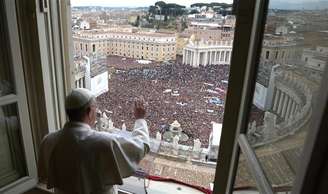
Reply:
x=80, y=160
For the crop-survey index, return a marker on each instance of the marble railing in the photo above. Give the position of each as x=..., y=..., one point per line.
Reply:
x=193, y=154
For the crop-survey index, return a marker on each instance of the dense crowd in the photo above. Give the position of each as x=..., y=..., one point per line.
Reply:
x=114, y=61
x=173, y=92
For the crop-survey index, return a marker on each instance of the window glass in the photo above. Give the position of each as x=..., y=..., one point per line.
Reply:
x=13, y=165
x=244, y=183
x=12, y=161
x=287, y=86
x=6, y=77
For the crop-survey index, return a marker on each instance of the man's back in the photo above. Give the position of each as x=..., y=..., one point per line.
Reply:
x=82, y=160
x=66, y=160
x=79, y=160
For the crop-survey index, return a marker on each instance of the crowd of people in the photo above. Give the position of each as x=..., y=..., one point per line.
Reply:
x=173, y=92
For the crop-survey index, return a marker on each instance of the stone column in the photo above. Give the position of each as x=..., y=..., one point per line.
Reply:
x=193, y=58
x=198, y=58
x=225, y=56
x=276, y=98
x=291, y=108
x=294, y=108
x=194, y=64
x=206, y=58
x=211, y=58
x=215, y=55
x=229, y=56
x=220, y=56
x=183, y=56
x=284, y=108
x=288, y=108
x=280, y=105
x=188, y=57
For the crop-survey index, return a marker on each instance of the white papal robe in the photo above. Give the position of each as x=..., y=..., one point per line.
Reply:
x=79, y=160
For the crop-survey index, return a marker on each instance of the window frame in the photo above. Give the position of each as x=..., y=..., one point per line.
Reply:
x=251, y=15
x=19, y=98
x=315, y=145
x=236, y=99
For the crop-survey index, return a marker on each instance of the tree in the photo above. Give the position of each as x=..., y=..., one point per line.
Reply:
x=152, y=10
x=137, y=22
x=183, y=25
x=198, y=5
x=194, y=11
x=160, y=4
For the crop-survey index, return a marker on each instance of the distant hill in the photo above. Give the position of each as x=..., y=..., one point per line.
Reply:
x=314, y=5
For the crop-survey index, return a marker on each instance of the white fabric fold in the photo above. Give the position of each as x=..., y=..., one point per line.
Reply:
x=79, y=160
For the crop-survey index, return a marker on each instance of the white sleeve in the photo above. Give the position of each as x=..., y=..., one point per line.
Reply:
x=129, y=151
x=138, y=143
x=140, y=132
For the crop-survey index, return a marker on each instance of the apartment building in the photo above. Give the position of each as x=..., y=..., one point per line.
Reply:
x=139, y=45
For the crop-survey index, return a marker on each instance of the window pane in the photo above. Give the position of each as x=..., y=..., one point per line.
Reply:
x=178, y=59
x=292, y=62
x=12, y=161
x=244, y=183
x=6, y=81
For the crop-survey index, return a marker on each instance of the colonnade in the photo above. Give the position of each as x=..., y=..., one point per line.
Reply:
x=204, y=57
x=284, y=105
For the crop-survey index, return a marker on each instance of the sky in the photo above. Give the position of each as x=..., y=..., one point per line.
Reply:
x=138, y=3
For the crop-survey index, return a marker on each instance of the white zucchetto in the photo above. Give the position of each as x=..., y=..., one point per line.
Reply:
x=78, y=98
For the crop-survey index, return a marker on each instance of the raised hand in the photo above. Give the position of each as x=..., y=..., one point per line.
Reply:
x=139, y=108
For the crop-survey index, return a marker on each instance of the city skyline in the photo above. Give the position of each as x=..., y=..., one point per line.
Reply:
x=138, y=3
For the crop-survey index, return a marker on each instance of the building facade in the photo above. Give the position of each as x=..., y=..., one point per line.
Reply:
x=91, y=74
x=280, y=50
x=182, y=41
x=205, y=53
x=315, y=59
x=148, y=46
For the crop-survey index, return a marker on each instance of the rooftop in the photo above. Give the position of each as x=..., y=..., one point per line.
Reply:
x=93, y=33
